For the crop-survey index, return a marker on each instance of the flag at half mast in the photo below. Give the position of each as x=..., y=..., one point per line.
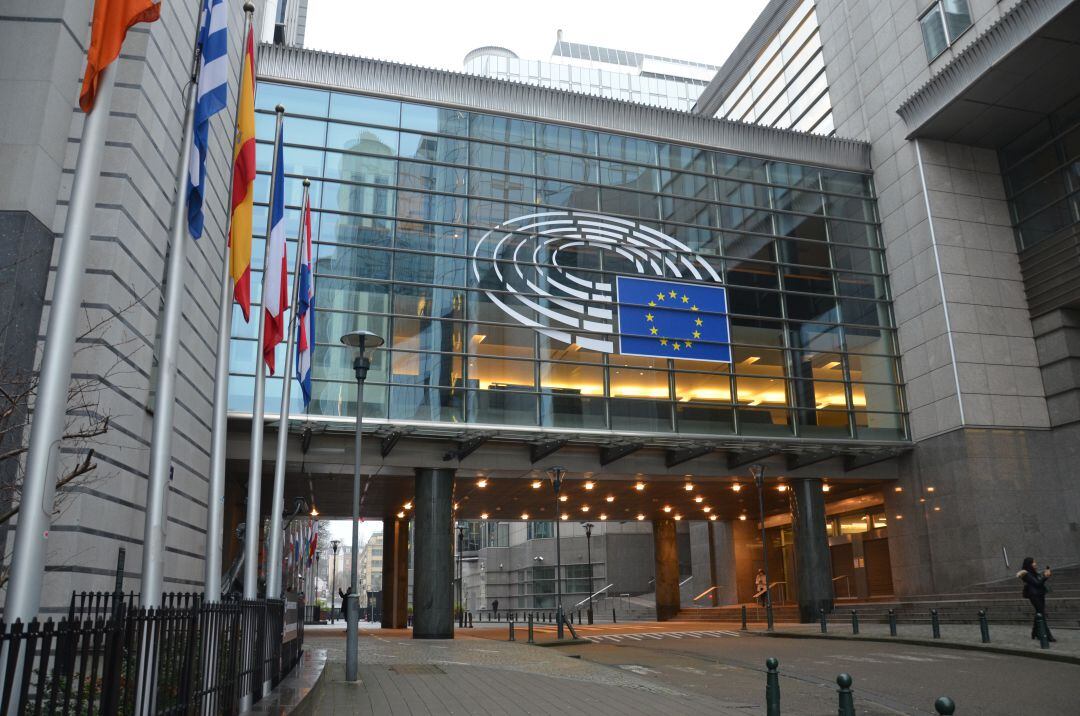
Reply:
x=243, y=182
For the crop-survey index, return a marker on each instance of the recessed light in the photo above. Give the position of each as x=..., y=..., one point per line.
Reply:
x=825, y=487
x=742, y=518
x=314, y=512
x=667, y=508
x=483, y=515
x=712, y=517
x=678, y=517
x=929, y=489
x=640, y=517
x=736, y=487
x=481, y=483
x=401, y=515
x=524, y=515
x=589, y=484
x=689, y=487
x=584, y=508
x=536, y=484
x=563, y=498
x=603, y=516
x=565, y=516
x=407, y=506
x=610, y=498
x=781, y=488
x=706, y=509
x=699, y=499
x=639, y=486
x=898, y=489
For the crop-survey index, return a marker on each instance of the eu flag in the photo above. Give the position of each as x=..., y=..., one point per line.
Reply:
x=671, y=319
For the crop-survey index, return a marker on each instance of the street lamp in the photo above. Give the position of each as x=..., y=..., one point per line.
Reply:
x=588, y=549
x=365, y=343
x=758, y=472
x=334, y=544
x=460, y=575
x=556, y=475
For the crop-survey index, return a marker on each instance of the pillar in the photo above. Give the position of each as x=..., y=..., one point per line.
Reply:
x=813, y=567
x=666, y=555
x=395, y=583
x=433, y=554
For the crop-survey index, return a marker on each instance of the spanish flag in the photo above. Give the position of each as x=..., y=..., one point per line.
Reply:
x=243, y=181
x=112, y=18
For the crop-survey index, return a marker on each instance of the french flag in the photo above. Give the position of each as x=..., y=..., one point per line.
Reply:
x=276, y=279
x=305, y=316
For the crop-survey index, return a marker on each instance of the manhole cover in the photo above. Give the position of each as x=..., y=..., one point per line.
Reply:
x=416, y=669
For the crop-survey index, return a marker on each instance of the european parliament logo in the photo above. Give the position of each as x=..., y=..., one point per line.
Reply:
x=536, y=269
x=669, y=319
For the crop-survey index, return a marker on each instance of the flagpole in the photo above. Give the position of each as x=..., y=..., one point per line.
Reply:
x=277, y=502
x=215, y=499
x=254, y=491
x=50, y=406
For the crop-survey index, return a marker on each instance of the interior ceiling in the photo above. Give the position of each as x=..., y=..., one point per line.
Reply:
x=1017, y=92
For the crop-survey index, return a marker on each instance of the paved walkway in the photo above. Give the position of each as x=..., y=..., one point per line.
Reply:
x=292, y=690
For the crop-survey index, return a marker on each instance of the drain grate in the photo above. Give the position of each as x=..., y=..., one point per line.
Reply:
x=416, y=669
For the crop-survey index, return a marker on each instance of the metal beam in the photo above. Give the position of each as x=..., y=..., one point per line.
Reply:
x=797, y=460
x=465, y=448
x=854, y=462
x=538, y=451
x=741, y=459
x=389, y=442
x=681, y=455
x=611, y=454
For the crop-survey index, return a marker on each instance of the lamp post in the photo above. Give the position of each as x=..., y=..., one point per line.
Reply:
x=556, y=475
x=758, y=472
x=460, y=575
x=364, y=343
x=334, y=544
x=588, y=551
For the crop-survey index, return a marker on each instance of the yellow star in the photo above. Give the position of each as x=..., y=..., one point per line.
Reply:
x=697, y=321
x=648, y=317
x=659, y=297
x=653, y=330
x=687, y=344
x=652, y=303
x=673, y=294
x=693, y=308
x=697, y=334
x=675, y=345
x=663, y=341
x=685, y=299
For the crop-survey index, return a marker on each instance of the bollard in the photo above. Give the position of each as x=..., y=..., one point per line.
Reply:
x=1040, y=627
x=744, y=617
x=984, y=627
x=470, y=620
x=935, y=625
x=512, y=638
x=531, y=640
x=772, y=687
x=846, y=700
x=892, y=622
x=613, y=619
x=944, y=706
x=854, y=622
x=824, y=623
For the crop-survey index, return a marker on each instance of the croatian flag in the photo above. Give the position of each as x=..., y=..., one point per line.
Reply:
x=276, y=278
x=211, y=96
x=305, y=309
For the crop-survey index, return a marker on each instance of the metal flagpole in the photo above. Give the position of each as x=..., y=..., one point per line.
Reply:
x=277, y=502
x=156, y=518
x=215, y=500
x=254, y=491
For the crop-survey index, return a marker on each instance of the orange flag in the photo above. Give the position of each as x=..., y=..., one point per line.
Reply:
x=243, y=183
x=112, y=18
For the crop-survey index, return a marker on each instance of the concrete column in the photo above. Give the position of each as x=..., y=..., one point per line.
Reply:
x=666, y=555
x=433, y=555
x=395, y=584
x=813, y=566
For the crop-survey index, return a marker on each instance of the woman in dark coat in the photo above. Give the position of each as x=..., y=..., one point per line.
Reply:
x=1035, y=590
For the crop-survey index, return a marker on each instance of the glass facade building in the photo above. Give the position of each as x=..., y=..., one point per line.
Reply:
x=786, y=85
x=407, y=198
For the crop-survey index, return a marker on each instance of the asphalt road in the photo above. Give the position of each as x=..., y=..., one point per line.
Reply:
x=888, y=678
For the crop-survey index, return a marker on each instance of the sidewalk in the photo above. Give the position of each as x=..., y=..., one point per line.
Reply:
x=399, y=675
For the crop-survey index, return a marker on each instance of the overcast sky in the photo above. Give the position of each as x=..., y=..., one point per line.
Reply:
x=438, y=34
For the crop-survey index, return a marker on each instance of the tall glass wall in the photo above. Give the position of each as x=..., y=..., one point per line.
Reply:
x=406, y=194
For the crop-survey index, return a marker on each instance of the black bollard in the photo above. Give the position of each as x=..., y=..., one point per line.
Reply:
x=892, y=622
x=984, y=627
x=846, y=700
x=935, y=625
x=614, y=620
x=824, y=622
x=470, y=620
x=854, y=622
x=772, y=687
x=512, y=638
x=531, y=640
x=744, y=617
x=944, y=706
x=1040, y=628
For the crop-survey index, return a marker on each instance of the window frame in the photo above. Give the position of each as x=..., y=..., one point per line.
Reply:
x=939, y=7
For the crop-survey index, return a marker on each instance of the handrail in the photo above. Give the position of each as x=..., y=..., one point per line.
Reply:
x=711, y=589
x=593, y=595
x=846, y=583
x=769, y=589
x=686, y=580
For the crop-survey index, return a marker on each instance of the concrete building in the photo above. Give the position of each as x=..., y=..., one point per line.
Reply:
x=369, y=567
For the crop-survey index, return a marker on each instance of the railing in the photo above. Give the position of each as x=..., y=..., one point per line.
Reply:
x=101, y=605
x=167, y=660
x=594, y=595
x=707, y=592
x=847, y=583
x=770, y=589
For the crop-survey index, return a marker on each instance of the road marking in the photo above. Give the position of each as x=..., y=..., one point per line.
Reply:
x=661, y=635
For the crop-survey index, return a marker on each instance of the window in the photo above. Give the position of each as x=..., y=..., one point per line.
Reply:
x=541, y=530
x=945, y=21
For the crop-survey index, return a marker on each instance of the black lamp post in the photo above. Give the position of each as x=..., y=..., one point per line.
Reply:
x=556, y=475
x=588, y=550
x=461, y=575
x=334, y=544
x=758, y=471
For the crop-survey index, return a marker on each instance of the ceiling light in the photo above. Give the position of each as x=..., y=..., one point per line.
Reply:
x=781, y=488
x=524, y=515
x=314, y=512
x=481, y=483
x=584, y=508
x=706, y=509
x=699, y=499
x=563, y=498
x=408, y=506
x=640, y=517
x=565, y=516
x=825, y=487
x=899, y=517
x=667, y=508
x=483, y=515
x=937, y=509
x=639, y=486
x=589, y=484
x=610, y=498
x=898, y=489
x=603, y=516
x=678, y=517
x=712, y=517
x=742, y=518
x=401, y=515
x=736, y=487
x=929, y=489
x=689, y=487
x=536, y=484
x=455, y=505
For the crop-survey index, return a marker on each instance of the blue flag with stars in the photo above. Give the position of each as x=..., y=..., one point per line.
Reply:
x=671, y=319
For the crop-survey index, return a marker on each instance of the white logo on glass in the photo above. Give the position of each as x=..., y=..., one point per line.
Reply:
x=566, y=300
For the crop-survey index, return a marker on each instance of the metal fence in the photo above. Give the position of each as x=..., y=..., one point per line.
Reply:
x=201, y=657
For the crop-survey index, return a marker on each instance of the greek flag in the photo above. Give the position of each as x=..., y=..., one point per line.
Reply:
x=672, y=319
x=305, y=309
x=211, y=96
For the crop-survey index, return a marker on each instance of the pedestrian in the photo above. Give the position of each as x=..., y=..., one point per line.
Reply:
x=761, y=586
x=495, y=607
x=1035, y=590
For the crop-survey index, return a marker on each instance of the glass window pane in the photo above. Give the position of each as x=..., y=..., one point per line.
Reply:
x=933, y=31
x=369, y=110
x=957, y=17
x=296, y=100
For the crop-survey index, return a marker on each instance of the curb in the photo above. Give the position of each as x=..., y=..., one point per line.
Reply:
x=564, y=642
x=1044, y=655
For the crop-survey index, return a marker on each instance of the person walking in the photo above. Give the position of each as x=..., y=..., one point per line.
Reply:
x=1035, y=590
x=495, y=607
x=761, y=585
